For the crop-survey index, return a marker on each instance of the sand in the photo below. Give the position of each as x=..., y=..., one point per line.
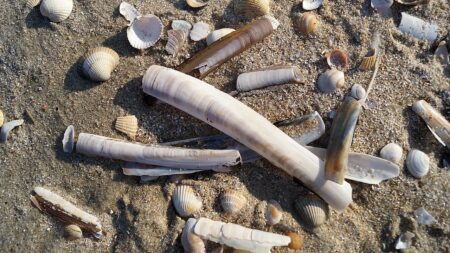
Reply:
x=41, y=84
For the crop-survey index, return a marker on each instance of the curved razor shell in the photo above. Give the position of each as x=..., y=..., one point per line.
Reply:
x=418, y=28
x=229, y=46
x=66, y=212
x=7, y=127
x=95, y=145
x=239, y=237
x=268, y=77
x=438, y=125
x=240, y=122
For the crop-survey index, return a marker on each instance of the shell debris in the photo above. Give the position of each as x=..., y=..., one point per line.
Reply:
x=296, y=241
x=175, y=41
x=181, y=25
x=7, y=127
x=127, y=125
x=185, y=201
x=128, y=11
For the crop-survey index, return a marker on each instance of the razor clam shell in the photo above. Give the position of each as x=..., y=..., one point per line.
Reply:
x=185, y=201
x=251, y=8
x=196, y=3
x=313, y=211
x=53, y=204
x=32, y=3
x=95, y=145
x=229, y=46
x=232, y=201
x=137, y=169
x=392, y=152
x=199, y=31
x=190, y=241
x=144, y=31
x=7, y=127
x=217, y=35
x=417, y=163
x=437, y=123
x=175, y=41
x=99, y=63
x=2, y=118
x=331, y=80
x=311, y=4
x=418, y=28
x=240, y=122
x=238, y=237
x=273, y=213
x=128, y=11
x=127, y=125
x=69, y=139
x=413, y=2
x=267, y=77
x=56, y=10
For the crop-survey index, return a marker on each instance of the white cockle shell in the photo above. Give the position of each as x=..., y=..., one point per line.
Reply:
x=127, y=125
x=311, y=4
x=417, y=163
x=358, y=92
x=145, y=31
x=99, y=63
x=331, y=80
x=185, y=201
x=392, y=152
x=56, y=10
x=232, y=201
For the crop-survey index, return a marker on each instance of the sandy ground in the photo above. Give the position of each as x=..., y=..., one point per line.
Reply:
x=40, y=83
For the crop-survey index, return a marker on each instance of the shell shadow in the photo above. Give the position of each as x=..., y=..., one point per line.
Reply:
x=75, y=81
x=35, y=20
x=119, y=43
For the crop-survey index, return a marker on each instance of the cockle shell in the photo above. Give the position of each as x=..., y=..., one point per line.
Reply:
x=73, y=232
x=196, y=3
x=368, y=62
x=128, y=11
x=56, y=10
x=190, y=241
x=331, y=80
x=185, y=201
x=358, y=92
x=392, y=152
x=296, y=241
x=99, y=63
x=307, y=23
x=175, y=41
x=217, y=34
x=32, y=3
x=274, y=213
x=232, y=201
x=413, y=2
x=199, y=31
x=312, y=210
x=311, y=4
x=418, y=163
x=69, y=139
x=2, y=118
x=8, y=126
x=337, y=58
x=251, y=8
x=127, y=125
x=145, y=31
x=182, y=25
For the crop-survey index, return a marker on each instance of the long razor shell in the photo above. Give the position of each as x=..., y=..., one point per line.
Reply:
x=268, y=77
x=95, y=145
x=240, y=122
x=229, y=46
x=138, y=169
x=8, y=126
x=66, y=212
x=340, y=140
x=438, y=125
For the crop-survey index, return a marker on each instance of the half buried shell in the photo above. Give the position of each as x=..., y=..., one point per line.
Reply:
x=232, y=201
x=312, y=210
x=127, y=125
x=185, y=201
x=99, y=63
x=251, y=8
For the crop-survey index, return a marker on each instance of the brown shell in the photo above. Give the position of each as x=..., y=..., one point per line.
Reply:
x=296, y=241
x=251, y=8
x=307, y=23
x=127, y=125
x=368, y=62
x=337, y=58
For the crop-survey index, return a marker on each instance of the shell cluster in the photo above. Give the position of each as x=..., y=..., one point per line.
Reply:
x=417, y=163
x=99, y=63
x=185, y=201
x=312, y=210
x=251, y=8
x=232, y=201
x=273, y=213
x=331, y=80
x=127, y=125
x=392, y=152
x=56, y=10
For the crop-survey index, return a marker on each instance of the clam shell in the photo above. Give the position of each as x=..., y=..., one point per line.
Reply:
x=312, y=210
x=217, y=34
x=232, y=201
x=296, y=241
x=128, y=11
x=127, y=125
x=274, y=213
x=337, y=58
x=32, y=3
x=185, y=201
x=331, y=80
x=311, y=4
x=413, y=2
x=99, y=63
x=56, y=10
x=69, y=139
x=392, y=152
x=190, y=241
x=2, y=118
x=199, y=31
x=417, y=163
x=196, y=4
x=358, y=92
x=175, y=41
x=145, y=31
x=307, y=23
x=181, y=25
x=251, y=8
x=8, y=126
x=73, y=232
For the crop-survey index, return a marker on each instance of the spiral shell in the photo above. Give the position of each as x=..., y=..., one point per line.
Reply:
x=296, y=241
x=313, y=211
x=99, y=63
x=232, y=201
x=217, y=34
x=56, y=10
x=251, y=8
x=190, y=241
x=274, y=213
x=69, y=139
x=199, y=31
x=145, y=31
x=311, y=4
x=418, y=163
x=331, y=80
x=127, y=125
x=307, y=23
x=2, y=118
x=32, y=3
x=185, y=201
x=358, y=92
x=73, y=232
x=392, y=152
x=175, y=41
x=337, y=58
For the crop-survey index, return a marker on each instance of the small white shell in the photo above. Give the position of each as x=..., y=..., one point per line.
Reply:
x=358, y=92
x=251, y=8
x=128, y=11
x=185, y=201
x=442, y=54
x=190, y=241
x=99, y=63
x=181, y=25
x=175, y=41
x=232, y=201
x=418, y=28
x=331, y=80
x=73, y=232
x=200, y=31
x=313, y=211
x=69, y=139
x=32, y=3
x=127, y=125
x=56, y=10
x=274, y=213
x=392, y=152
x=196, y=4
x=2, y=118
x=217, y=34
x=8, y=126
x=145, y=31
x=381, y=5
x=311, y=4
x=418, y=163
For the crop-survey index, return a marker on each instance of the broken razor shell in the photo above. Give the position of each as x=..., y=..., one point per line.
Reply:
x=437, y=123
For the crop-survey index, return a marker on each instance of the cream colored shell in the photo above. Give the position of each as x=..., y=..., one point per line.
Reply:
x=273, y=213
x=185, y=201
x=56, y=10
x=418, y=163
x=217, y=34
x=311, y=4
x=190, y=241
x=144, y=31
x=392, y=152
x=331, y=80
x=307, y=23
x=32, y=3
x=196, y=3
x=312, y=210
x=73, y=232
x=99, y=63
x=358, y=92
x=127, y=125
x=232, y=201
x=251, y=8
x=368, y=61
x=2, y=118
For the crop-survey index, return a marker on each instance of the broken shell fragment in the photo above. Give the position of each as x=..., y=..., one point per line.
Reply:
x=32, y=3
x=413, y=2
x=7, y=127
x=128, y=11
x=145, y=31
x=392, y=152
x=418, y=28
x=337, y=58
x=331, y=80
x=312, y=210
x=251, y=8
x=296, y=241
x=267, y=77
x=442, y=54
x=358, y=92
x=417, y=163
x=311, y=4
x=175, y=41
x=423, y=217
x=73, y=232
x=127, y=125
x=56, y=10
x=307, y=23
x=196, y=3
x=181, y=25
x=437, y=123
x=69, y=139
x=381, y=5
x=2, y=118
x=199, y=31
x=185, y=201
x=404, y=241
x=274, y=213
x=217, y=34
x=190, y=241
x=232, y=201
x=99, y=63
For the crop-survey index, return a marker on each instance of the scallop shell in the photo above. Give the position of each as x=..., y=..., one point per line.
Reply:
x=145, y=31
x=311, y=4
x=185, y=201
x=2, y=118
x=358, y=92
x=232, y=201
x=181, y=25
x=99, y=63
x=127, y=125
x=307, y=23
x=69, y=139
x=274, y=213
x=8, y=126
x=337, y=58
x=392, y=152
x=313, y=211
x=56, y=10
x=196, y=4
x=251, y=8
x=296, y=241
x=73, y=232
x=217, y=34
x=190, y=241
x=175, y=41
x=331, y=80
x=199, y=31
x=418, y=163
x=32, y=3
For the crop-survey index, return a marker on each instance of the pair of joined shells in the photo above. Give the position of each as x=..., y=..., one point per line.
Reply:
x=99, y=63
x=251, y=8
x=313, y=211
x=331, y=80
x=144, y=31
x=185, y=201
x=56, y=10
x=307, y=23
x=392, y=152
x=417, y=163
x=127, y=125
x=232, y=201
x=274, y=213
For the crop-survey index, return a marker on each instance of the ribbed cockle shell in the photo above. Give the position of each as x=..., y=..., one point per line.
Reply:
x=127, y=125
x=418, y=163
x=99, y=63
x=185, y=201
x=312, y=210
x=232, y=201
x=56, y=10
x=32, y=3
x=392, y=152
x=251, y=8
x=331, y=80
